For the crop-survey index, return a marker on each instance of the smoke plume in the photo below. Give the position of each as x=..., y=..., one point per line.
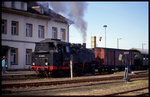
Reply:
x=75, y=12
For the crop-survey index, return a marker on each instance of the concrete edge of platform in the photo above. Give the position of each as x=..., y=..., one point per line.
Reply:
x=15, y=74
x=28, y=73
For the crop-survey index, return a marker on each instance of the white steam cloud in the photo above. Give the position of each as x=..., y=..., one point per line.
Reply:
x=75, y=12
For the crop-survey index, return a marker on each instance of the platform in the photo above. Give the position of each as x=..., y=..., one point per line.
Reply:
x=16, y=74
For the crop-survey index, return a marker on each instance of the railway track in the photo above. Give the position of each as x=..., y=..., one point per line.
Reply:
x=14, y=77
x=79, y=86
x=132, y=92
x=61, y=82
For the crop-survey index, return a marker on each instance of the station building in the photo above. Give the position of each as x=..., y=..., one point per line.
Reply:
x=25, y=23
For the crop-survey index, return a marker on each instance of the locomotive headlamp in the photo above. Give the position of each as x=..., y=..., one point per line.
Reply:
x=46, y=63
x=33, y=64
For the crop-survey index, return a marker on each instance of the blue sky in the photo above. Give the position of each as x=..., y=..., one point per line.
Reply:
x=126, y=20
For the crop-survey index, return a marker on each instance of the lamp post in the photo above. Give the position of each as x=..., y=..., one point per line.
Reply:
x=118, y=42
x=143, y=45
x=105, y=34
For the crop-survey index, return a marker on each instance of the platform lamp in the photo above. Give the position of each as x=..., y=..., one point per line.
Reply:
x=118, y=42
x=143, y=45
x=105, y=34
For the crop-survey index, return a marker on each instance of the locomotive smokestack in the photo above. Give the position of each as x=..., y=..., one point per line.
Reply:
x=84, y=45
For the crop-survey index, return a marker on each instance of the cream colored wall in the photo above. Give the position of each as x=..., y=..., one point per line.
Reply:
x=21, y=41
x=58, y=25
x=35, y=22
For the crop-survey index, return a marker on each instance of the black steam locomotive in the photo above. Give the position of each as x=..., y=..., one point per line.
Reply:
x=52, y=57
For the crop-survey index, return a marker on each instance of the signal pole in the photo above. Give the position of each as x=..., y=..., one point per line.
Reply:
x=71, y=69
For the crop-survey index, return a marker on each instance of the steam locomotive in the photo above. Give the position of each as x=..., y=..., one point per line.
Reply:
x=52, y=57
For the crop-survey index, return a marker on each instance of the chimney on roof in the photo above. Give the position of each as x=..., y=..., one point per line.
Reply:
x=38, y=9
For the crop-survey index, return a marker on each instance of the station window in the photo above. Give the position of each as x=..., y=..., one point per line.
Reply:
x=29, y=30
x=54, y=32
x=28, y=56
x=14, y=28
x=14, y=56
x=4, y=26
x=63, y=34
x=41, y=31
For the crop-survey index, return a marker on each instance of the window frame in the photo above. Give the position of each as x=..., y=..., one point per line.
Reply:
x=54, y=32
x=63, y=33
x=28, y=30
x=28, y=56
x=41, y=31
x=14, y=28
x=14, y=55
x=4, y=26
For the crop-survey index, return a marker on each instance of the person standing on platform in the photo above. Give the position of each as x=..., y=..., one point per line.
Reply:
x=3, y=64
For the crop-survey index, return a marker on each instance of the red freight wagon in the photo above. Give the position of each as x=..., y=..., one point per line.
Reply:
x=108, y=58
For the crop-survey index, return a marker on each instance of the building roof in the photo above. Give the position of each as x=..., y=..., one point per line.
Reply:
x=32, y=13
x=48, y=12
